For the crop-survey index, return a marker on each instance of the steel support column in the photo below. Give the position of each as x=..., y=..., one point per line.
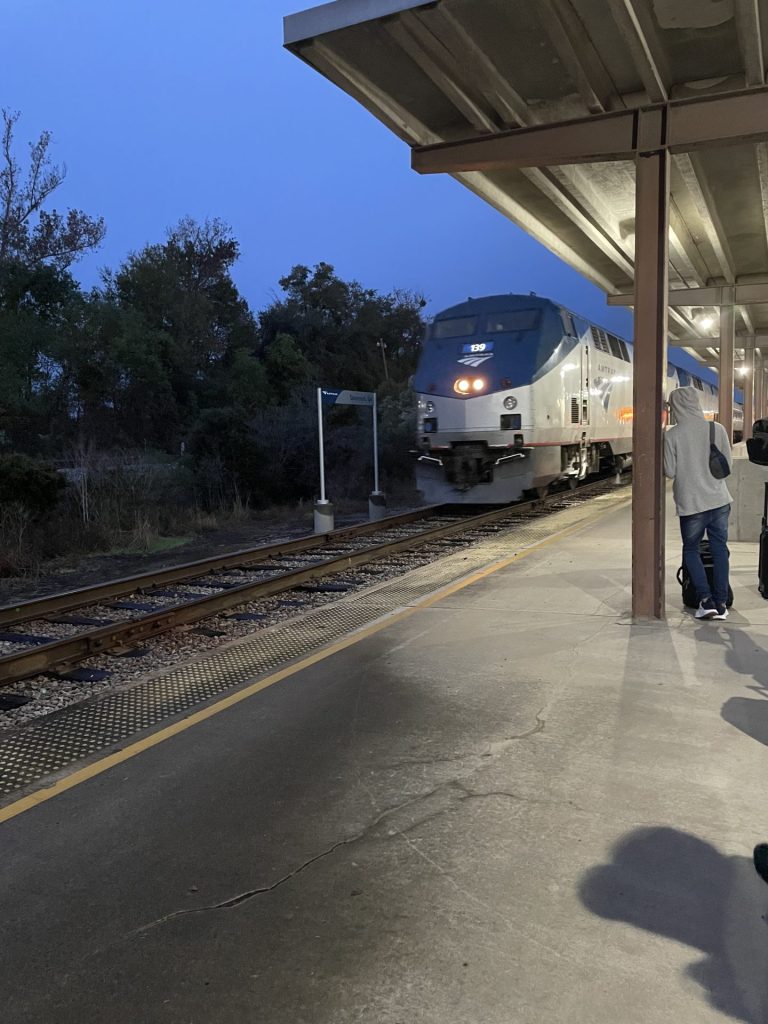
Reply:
x=749, y=387
x=725, y=383
x=650, y=375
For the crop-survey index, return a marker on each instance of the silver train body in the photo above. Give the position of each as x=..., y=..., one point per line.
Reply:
x=516, y=392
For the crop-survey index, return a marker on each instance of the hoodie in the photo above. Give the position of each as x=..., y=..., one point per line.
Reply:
x=686, y=456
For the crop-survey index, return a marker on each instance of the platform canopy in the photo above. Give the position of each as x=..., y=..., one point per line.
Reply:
x=458, y=79
x=630, y=137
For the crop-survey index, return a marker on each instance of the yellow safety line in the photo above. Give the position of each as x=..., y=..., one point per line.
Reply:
x=147, y=742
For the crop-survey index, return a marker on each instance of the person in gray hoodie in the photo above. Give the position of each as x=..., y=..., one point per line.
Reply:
x=702, y=502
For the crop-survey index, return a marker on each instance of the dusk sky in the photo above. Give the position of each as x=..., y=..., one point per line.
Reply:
x=163, y=109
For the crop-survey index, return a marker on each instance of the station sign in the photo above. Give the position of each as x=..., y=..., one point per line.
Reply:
x=342, y=396
x=338, y=396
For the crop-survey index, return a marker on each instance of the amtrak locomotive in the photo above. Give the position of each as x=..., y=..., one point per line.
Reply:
x=515, y=392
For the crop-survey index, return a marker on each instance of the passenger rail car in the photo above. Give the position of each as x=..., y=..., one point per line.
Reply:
x=515, y=392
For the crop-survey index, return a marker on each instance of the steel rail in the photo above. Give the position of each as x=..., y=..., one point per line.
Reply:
x=64, y=601
x=68, y=651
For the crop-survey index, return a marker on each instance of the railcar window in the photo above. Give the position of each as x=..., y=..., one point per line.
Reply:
x=697, y=383
x=598, y=337
x=515, y=320
x=624, y=350
x=457, y=327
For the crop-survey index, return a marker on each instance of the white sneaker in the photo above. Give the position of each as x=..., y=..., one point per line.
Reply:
x=721, y=614
x=707, y=609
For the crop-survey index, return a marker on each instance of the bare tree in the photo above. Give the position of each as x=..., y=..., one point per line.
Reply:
x=28, y=232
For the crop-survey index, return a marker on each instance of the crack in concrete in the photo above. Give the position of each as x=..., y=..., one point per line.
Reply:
x=463, y=794
x=500, y=746
x=519, y=797
x=494, y=747
x=243, y=897
x=471, y=794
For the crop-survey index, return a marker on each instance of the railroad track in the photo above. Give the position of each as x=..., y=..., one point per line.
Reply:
x=115, y=616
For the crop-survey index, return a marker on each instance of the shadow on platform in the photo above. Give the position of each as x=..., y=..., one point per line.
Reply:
x=679, y=886
x=745, y=656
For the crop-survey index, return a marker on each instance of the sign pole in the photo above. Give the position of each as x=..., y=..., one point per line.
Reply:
x=377, y=502
x=323, y=508
x=320, y=435
x=375, y=449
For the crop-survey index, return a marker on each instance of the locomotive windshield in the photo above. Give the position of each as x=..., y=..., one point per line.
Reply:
x=516, y=320
x=505, y=338
x=506, y=322
x=456, y=327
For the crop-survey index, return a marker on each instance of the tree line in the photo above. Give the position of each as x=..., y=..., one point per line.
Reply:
x=165, y=362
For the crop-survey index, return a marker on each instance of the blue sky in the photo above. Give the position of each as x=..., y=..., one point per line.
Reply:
x=163, y=109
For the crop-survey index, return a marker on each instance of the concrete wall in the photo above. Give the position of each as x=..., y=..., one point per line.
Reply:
x=747, y=485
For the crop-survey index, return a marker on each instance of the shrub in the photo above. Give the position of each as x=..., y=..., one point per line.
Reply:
x=228, y=462
x=30, y=484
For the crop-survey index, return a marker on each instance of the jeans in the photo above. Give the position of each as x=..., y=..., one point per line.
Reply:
x=715, y=524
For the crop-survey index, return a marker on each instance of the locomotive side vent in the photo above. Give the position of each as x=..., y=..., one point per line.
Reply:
x=574, y=409
x=600, y=340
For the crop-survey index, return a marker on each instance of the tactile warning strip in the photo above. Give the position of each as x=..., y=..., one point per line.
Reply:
x=79, y=732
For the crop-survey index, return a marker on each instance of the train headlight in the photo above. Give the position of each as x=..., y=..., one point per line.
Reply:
x=469, y=385
x=510, y=402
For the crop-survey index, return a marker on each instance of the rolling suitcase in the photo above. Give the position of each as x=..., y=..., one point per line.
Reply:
x=690, y=600
x=762, y=562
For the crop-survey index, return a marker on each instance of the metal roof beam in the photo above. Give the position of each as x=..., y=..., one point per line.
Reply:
x=638, y=33
x=679, y=229
x=416, y=32
x=557, y=28
x=679, y=126
x=761, y=152
x=429, y=54
x=482, y=186
x=717, y=120
x=747, y=14
x=352, y=81
x=684, y=322
x=580, y=216
x=701, y=343
x=693, y=177
x=746, y=316
x=726, y=295
x=508, y=103
x=603, y=137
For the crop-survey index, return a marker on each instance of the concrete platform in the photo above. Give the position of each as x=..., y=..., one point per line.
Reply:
x=511, y=807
